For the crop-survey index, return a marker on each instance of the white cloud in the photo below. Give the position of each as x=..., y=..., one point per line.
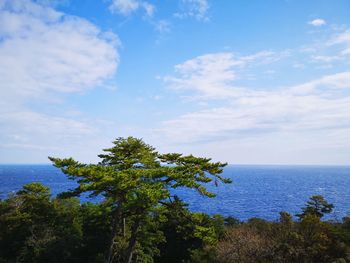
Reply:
x=330, y=49
x=278, y=124
x=317, y=22
x=126, y=7
x=329, y=82
x=43, y=54
x=208, y=73
x=305, y=119
x=261, y=113
x=342, y=39
x=46, y=51
x=149, y=8
x=37, y=128
x=194, y=8
x=327, y=59
x=33, y=136
x=212, y=75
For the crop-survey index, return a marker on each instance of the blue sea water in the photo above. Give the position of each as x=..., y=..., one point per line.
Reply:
x=256, y=191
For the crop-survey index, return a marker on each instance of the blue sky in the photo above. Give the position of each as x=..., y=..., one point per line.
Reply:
x=245, y=82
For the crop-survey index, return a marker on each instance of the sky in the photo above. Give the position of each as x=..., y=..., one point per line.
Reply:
x=243, y=82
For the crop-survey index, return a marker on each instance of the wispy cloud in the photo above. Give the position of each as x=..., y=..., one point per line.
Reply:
x=289, y=118
x=35, y=135
x=197, y=9
x=127, y=7
x=327, y=59
x=162, y=26
x=273, y=126
x=329, y=82
x=267, y=109
x=194, y=8
x=342, y=39
x=212, y=75
x=261, y=114
x=330, y=48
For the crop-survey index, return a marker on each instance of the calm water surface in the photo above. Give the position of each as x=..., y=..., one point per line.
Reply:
x=256, y=191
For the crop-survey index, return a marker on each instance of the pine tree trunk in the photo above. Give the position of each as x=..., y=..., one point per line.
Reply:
x=115, y=223
x=132, y=241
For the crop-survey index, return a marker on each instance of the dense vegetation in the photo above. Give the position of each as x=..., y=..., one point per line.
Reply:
x=140, y=221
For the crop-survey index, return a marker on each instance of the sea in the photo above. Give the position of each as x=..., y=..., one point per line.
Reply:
x=257, y=190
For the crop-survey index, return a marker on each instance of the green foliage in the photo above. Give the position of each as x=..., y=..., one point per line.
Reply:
x=134, y=180
x=316, y=206
x=231, y=221
x=35, y=228
x=95, y=225
x=186, y=233
x=139, y=221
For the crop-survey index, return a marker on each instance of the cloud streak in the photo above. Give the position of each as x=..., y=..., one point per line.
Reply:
x=342, y=39
x=212, y=76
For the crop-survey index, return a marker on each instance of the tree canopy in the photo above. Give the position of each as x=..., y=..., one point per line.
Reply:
x=134, y=179
x=316, y=206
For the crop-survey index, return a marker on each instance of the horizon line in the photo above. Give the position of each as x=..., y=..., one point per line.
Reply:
x=228, y=164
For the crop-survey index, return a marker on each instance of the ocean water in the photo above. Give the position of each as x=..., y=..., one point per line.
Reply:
x=256, y=191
